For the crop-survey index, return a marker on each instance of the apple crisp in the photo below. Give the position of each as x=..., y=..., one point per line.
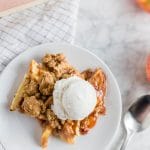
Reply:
x=34, y=97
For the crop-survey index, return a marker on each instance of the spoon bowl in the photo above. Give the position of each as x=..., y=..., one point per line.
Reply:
x=131, y=124
x=137, y=118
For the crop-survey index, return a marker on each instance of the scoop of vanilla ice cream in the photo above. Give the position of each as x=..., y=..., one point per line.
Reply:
x=73, y=98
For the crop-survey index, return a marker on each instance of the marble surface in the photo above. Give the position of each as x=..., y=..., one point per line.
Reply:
x=119, y=33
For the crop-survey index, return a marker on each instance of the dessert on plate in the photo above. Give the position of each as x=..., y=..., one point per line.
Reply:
x=65, y=101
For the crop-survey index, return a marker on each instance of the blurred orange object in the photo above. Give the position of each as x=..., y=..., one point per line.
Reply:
x=144, y=4
x=148, y=68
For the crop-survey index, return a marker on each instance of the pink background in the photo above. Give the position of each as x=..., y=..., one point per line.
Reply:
x=7, y=4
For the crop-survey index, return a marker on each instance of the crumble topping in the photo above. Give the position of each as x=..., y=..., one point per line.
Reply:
x=34, y=97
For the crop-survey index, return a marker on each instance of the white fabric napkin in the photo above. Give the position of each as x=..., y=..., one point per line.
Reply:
x=52, y=21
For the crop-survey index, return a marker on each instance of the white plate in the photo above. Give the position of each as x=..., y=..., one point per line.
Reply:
x=20, y=132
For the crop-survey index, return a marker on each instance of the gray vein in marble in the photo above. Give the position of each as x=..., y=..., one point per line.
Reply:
x=2, y=146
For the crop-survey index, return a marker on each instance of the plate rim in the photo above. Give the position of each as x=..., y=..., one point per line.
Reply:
x=63, y=44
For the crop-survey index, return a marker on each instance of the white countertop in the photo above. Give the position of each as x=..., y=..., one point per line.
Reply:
x=119, y=33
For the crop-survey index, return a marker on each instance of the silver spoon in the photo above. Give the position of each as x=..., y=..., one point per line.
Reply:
x=137, y=118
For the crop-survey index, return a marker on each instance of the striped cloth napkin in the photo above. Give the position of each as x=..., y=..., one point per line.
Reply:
x=52, y=21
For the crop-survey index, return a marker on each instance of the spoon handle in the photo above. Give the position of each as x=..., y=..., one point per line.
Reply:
x=127, y=139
